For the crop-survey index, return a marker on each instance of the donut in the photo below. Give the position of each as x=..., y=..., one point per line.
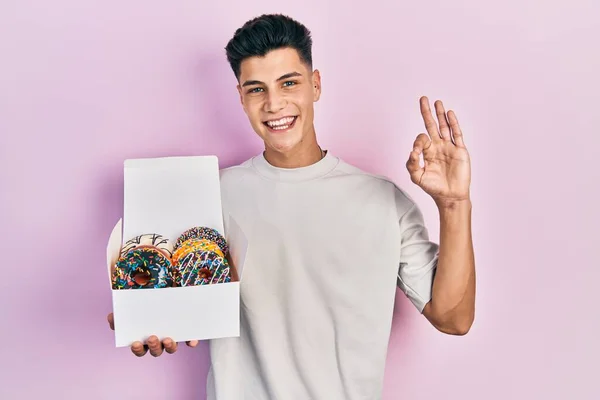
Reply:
x=149, y=239
x=202, y=267
x=143, y=267
x=192, y=245
x=203, y=232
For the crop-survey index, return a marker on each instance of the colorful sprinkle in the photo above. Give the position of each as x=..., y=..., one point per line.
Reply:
x=192, y=245
x=203, y=232
x=143, y=267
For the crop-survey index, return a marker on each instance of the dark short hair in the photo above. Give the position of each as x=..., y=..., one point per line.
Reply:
x=265, y=33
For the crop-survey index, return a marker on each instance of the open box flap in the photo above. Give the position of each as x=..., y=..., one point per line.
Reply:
x=169, y=195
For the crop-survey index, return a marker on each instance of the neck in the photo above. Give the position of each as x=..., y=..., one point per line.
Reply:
x=302, y=156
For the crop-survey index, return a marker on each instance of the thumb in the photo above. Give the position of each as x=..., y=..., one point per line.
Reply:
x=192, y=343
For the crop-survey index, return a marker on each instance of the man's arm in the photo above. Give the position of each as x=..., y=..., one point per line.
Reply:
x=452, y=306
x=446, y=177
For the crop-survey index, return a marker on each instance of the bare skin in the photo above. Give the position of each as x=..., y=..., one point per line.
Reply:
x=446, y=177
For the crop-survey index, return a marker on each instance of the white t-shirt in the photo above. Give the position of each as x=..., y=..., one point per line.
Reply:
x=328, y=243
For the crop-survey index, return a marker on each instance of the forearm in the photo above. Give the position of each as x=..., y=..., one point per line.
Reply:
x=453, y=298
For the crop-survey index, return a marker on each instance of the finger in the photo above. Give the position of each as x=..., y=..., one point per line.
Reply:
x=155, y=346
x=414, y=168
x=456, y=131
x=192, y=343
x=430, y=123
x=139, y=349
x=170, y=345
x=111, y=321
x=422, y=143
x=413, y=164
x=443, y=122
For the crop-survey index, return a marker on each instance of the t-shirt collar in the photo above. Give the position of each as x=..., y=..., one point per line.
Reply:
x=309, y=172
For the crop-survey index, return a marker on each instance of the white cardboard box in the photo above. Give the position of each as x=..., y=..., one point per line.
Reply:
x=168, y=196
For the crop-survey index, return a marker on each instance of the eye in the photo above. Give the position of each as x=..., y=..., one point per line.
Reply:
x=255, y=90
x=289, y=83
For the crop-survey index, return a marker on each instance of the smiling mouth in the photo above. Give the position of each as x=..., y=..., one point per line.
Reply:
x=281, y=124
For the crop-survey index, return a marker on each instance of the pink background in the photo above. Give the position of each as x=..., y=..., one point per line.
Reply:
x=86, y=84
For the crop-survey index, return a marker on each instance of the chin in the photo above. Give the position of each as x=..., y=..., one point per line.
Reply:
x=282, y=141
x=282, y=145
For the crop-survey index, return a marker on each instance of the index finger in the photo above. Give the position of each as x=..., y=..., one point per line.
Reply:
x=430, y=124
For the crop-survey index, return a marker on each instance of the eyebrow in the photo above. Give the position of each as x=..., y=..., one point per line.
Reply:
x=281, y=78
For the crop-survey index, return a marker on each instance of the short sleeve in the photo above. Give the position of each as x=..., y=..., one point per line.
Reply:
x=418, y=256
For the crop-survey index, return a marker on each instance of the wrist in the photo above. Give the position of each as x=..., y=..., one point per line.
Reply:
x=455, y=216
x=449, y=205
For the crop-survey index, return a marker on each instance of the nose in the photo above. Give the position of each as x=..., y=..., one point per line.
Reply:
x=275, y=102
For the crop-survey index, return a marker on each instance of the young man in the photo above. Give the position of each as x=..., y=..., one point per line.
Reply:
x=329, y=242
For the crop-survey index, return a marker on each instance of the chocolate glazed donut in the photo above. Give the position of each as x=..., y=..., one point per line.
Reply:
x=143, y=267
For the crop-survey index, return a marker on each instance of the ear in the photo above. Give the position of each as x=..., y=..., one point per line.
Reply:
x=316, y=82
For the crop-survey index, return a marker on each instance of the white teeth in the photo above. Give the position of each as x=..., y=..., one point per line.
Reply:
x=282, y=123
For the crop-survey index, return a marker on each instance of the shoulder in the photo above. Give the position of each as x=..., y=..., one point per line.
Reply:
x=236, y=173
x=403, y=200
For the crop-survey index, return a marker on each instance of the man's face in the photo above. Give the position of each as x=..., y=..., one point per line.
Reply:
x=277, y=92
